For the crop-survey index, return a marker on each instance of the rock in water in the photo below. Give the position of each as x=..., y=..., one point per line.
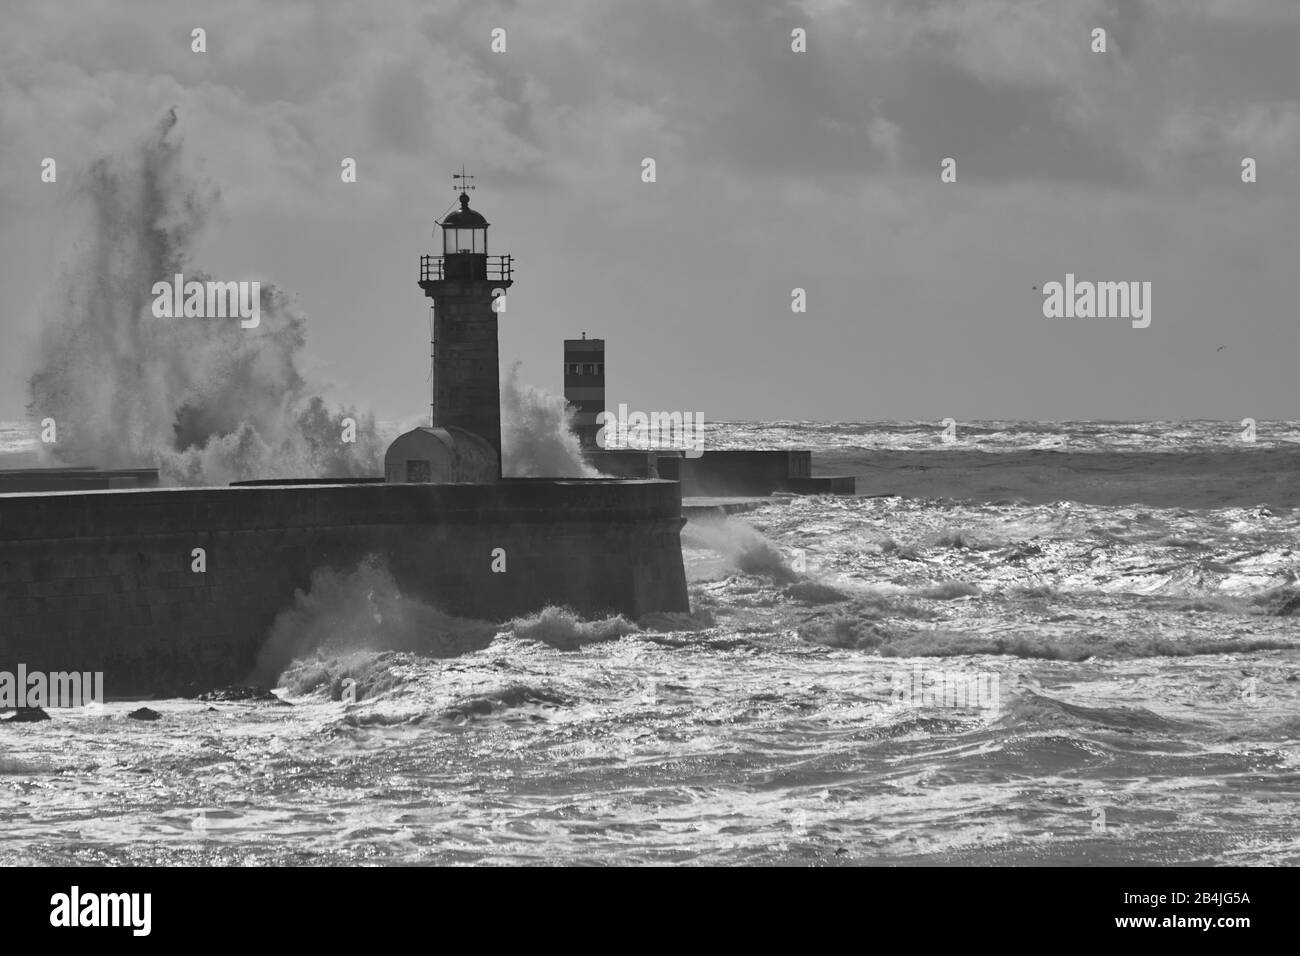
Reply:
x=27, y=715
x=144, y=713
x=229, y=694
x=1289, y=608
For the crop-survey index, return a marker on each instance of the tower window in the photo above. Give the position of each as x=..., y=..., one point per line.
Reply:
x=589, y=369
x=573, y=368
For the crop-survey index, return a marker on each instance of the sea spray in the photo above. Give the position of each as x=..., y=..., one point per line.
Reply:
x=537, y=438
x=741, y=546
x=362, y=609
x=565, y=630
x=204, y=400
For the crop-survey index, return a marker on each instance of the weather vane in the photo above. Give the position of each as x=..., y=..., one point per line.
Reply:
x=463, y=180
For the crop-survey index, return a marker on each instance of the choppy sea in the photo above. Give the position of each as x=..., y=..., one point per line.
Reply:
x=1070, y=642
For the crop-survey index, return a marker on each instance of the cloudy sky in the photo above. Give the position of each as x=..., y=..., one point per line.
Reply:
x=776, y=170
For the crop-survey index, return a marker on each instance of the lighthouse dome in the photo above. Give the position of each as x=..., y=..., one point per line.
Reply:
x=464, y=217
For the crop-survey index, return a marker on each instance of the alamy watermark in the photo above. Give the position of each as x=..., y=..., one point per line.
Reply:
x=75, y=908
x=937, y=688
x=1098, y=300
x=656, y=431
x=55, y=689
x=208, y=300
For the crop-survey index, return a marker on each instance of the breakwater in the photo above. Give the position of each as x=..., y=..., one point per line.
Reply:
x=173, y=590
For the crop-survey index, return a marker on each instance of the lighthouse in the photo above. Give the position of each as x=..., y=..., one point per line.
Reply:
x=467, y=288
x=584, y=386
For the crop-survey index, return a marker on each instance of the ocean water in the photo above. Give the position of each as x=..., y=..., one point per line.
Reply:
x=994, y=436
x=1042, y=643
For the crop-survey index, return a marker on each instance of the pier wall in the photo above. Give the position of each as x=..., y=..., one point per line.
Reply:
x=104, y=580
x=737, y=472
x=725, y=472
x=22, y=480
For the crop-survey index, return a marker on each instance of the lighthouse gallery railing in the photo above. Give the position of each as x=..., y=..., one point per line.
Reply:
x=466, y=266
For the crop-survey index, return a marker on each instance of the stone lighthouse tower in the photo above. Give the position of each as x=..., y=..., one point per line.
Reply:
x=467, y=288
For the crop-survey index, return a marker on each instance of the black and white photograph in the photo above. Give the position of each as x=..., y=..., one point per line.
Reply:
x=712, y=433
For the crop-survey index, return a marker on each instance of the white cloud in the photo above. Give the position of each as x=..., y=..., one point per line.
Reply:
x=1268, y=132
x=1240, y=11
